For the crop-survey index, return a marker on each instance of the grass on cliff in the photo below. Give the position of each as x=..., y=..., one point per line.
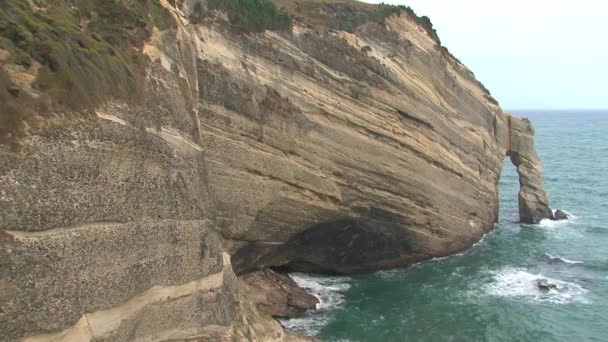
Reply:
x=87, y=51
x=248, y=15
x=347, y=15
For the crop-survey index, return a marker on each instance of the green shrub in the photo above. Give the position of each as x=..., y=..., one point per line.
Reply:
x=348, y=15
x=253, y=15
x=197, y=12
x=22, y=58
x=384, y=11
x=160, y=17
x=89, y=51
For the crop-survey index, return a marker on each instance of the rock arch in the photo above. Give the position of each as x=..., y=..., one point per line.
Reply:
x=533, y=203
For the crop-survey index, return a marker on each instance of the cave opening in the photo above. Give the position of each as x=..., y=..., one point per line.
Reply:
x=341, y=247
x=335, y=247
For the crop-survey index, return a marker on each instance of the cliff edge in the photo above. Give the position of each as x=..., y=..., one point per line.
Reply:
x=153, y=154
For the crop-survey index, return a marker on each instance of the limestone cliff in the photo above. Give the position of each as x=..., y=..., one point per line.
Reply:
x=320, y=148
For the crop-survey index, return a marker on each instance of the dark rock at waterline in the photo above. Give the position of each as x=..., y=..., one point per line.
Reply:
x=545, y=285
x=277, y=294
x=560, y=215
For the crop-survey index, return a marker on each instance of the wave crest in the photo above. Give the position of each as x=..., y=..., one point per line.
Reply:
x=553, y=258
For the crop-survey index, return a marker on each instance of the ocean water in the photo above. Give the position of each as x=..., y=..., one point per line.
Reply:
x=489, y=293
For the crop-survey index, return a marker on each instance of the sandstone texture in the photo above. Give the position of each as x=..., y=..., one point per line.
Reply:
x=313, y=150
x=277, y=294
x=533, y=203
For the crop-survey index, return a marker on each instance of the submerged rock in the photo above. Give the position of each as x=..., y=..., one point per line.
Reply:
x=544, y=285
x=560, y=215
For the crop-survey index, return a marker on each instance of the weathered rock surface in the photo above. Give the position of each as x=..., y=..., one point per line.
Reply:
x=296, y=150
x=277, y=294
x=560, y=215
x=533, y=203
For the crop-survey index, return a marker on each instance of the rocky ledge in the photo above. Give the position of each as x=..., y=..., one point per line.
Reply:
x=350, y=141
x=277, y=294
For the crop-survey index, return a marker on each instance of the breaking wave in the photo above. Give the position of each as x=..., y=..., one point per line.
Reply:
x=518, y=283
x=330, y=293
x=547, y=223
x=556, y=259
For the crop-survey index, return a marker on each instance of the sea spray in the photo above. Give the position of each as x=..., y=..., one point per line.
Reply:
x=519, y=283
x=329, y=290
x=550, y=224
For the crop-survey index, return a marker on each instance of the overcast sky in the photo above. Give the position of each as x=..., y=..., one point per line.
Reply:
x=531, y=54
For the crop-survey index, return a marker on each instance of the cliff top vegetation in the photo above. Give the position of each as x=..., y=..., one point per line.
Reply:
x=347, y=15
x=246, y=15
x=80, y=52
x=72, y=55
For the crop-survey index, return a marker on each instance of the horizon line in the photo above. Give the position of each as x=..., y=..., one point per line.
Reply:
x=557, y=109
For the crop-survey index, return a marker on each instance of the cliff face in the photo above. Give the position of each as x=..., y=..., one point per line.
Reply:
x=314, y=150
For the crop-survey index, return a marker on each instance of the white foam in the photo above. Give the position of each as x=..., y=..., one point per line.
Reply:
x=309, y=325
x=570, y=215
x=567, y=261
x=518, y=283
x=330, y=293
x=483, y=237
x=328, y=290
x=548, y=223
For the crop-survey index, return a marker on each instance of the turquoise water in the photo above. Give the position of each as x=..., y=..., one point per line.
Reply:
x=489, y=293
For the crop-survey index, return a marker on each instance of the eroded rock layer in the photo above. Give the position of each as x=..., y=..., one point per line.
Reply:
x=533, y=203
x=311, y=150
x=277, y=294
